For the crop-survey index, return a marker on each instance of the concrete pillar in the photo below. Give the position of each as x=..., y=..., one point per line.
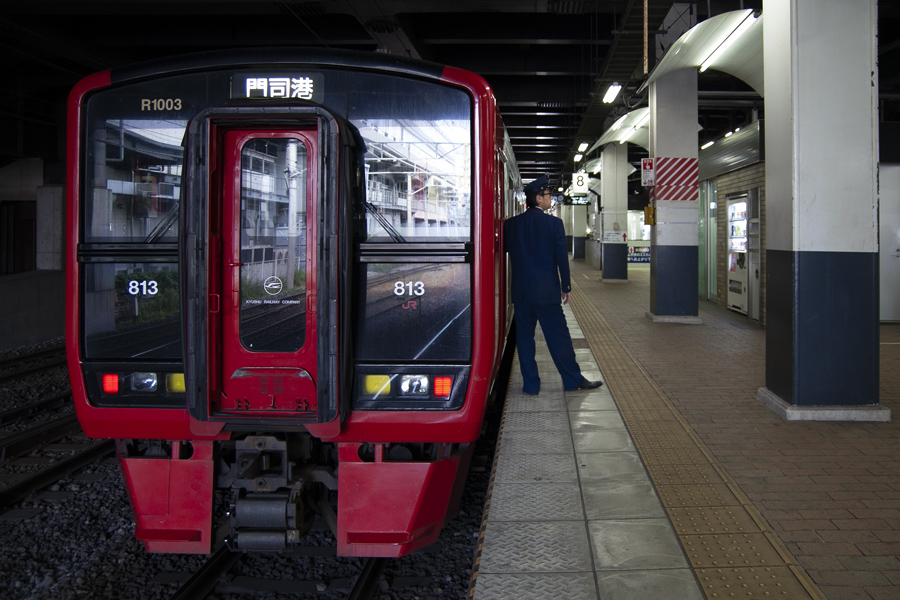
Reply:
x=579, y=216
x=673, y=240
x=51, y=228
x=822, y=324
x=614, y=195
x=574, y=218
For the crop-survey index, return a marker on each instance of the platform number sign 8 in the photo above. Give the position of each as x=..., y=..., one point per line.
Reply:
x=580, y=184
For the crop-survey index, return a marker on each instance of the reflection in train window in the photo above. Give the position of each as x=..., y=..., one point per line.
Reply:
x=273, y=245
x=418, y=158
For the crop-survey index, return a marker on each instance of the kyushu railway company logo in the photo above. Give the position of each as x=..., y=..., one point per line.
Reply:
x=273, y=285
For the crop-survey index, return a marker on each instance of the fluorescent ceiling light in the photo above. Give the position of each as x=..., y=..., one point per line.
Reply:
x=582, y=146
x=748, y=21
x=611, y=93
x=707, y=145
x=578, y=157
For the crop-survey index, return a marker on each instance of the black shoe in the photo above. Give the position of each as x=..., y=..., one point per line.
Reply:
x=530, y=393
x=588, y=385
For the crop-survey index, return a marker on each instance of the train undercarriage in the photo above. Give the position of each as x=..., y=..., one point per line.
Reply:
x=394, y=497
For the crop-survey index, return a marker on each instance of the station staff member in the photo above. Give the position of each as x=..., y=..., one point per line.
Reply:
x=536, y=243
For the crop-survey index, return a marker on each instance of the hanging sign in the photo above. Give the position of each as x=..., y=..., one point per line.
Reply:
x=648, y=175
x=580, y=184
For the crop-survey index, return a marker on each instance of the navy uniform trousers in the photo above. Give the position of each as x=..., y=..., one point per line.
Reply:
x=536, y=243
x=559, y=342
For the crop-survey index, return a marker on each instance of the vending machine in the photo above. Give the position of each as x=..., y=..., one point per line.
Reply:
x=737, y=252
x=743, y=262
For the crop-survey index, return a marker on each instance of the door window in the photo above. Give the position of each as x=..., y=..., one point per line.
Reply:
x=273, y=245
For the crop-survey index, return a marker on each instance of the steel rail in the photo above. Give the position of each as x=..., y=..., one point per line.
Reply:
x=48, y=403
x=207, y=577
x=14, y=360
x=23, y=487
x=31, y=439
x=33, y=370
x=367, y=583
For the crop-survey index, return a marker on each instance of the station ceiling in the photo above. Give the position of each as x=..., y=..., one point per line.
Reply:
x=549, y=61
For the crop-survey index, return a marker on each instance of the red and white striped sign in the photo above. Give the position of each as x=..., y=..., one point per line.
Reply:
x=676, y=179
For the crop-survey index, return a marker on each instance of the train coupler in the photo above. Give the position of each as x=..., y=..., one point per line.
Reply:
x=269, y=521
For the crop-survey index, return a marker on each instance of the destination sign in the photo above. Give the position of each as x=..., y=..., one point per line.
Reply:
x=284, y=86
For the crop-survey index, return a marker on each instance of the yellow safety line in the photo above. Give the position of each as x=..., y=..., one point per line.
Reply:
x=730, y=549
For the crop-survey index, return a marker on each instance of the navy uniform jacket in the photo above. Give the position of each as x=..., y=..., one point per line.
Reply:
x=536, y=243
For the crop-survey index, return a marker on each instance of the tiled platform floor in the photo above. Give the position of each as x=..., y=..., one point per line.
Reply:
x=829, y=491
x=573, y=513
x=818, y=503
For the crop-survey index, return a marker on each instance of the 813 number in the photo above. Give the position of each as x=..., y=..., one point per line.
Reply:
x=143, y=288
x=409, y=288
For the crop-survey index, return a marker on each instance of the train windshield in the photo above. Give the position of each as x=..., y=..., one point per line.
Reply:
x=134, y=198
x=418, y=179
x=418, y=158
x=418, y=173
x=136, y=175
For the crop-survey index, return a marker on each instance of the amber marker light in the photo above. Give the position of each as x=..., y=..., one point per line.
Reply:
x=175, y=383
x=375, y=385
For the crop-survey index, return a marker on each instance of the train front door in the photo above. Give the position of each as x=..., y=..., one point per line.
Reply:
x=267, y=333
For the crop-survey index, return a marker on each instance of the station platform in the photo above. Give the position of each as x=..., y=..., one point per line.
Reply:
x=673, y=481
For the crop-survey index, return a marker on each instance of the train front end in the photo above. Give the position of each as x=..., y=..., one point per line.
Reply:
x=285, y=288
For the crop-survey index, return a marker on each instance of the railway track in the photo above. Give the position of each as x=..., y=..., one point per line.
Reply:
x=13, y=361
x=213, y=577
x=49, y=403
x=24, y=366
x=22, y=487
x=40, y=440
x=31, y=457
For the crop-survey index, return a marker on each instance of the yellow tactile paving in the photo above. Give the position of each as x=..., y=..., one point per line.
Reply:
x=663, y=474
x=731, y=550
x=699, y=520
x=766, y=582
x=731, y=547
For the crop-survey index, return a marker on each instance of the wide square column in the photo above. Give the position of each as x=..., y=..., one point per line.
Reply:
x=822, y=323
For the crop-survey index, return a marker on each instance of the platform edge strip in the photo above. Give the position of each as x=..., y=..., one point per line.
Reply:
x=479, y=547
